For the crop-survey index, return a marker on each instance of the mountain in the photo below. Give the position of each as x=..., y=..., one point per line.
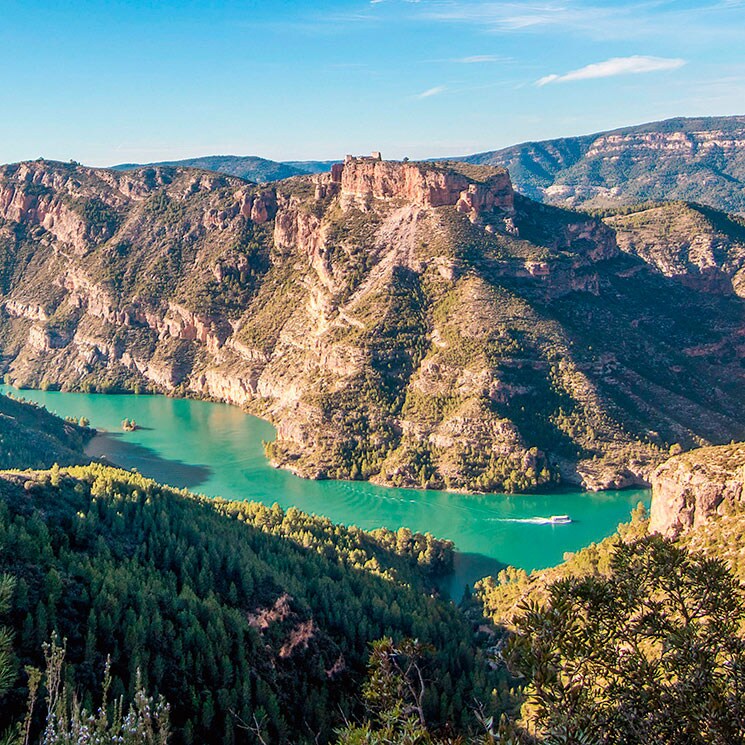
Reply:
x=31, y=437
x=696, y=160
x=249, y=167
x=417, y=324
x=687, y=159
x=238, y=614
x=696, y=245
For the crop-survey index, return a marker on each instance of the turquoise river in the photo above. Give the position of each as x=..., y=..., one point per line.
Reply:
x=216, y=449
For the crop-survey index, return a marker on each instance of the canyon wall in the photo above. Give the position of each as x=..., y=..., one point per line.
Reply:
x=691, y=488
x=414, y=324
x=359, y=180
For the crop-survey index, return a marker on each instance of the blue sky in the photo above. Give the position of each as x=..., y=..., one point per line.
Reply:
x=105, y=82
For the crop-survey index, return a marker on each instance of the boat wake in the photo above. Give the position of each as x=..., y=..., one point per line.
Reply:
x=553, y=520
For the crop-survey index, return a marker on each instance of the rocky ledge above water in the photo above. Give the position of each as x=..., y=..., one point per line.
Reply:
x=690, y=488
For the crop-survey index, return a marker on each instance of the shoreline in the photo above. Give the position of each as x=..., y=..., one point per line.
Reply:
x=231, y=463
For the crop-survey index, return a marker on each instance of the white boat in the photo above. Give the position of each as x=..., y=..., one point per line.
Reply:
x=559, y=519
x=553, y=520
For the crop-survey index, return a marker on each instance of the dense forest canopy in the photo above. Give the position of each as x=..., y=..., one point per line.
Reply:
x=229, y=610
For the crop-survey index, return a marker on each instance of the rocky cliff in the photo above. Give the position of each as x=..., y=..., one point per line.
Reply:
x=695, y=245
x=689, y=489
x=470, y=189
x=701, y=160
x=415, y=324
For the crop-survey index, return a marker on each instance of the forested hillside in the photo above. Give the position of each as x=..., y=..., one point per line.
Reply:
x=31, y=437
x=235, y=612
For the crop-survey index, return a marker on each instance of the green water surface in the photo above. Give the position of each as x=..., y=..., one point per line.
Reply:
x=216, y=449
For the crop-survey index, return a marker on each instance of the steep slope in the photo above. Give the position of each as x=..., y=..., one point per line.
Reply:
x=693, y=488
x=231, y=610
x=700, y=247
x=31, y=437
x=418, y=324
x=249, y=167
x=696, y=160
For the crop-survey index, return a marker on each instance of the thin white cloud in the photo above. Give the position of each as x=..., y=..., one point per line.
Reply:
x=633, y=65
x=431, y=92
x=514, y=16
x=631, y=19
x=479, y=58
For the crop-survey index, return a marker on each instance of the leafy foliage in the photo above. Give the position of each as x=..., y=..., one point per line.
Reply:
x=393, y=693
x=145, y=722
x=650, y=653
x=8, y=671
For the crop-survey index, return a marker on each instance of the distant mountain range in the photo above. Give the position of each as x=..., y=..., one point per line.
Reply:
x=696, y=160
x=249, y=167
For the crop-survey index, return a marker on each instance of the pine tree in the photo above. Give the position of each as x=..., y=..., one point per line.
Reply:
x=8, y=670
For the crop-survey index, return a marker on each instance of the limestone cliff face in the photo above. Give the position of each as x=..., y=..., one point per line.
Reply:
x=415, y=324
x=674, y=144
x=360, y=180
x=47, y=212
x=689, y=489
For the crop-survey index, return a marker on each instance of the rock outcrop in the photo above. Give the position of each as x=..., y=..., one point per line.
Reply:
x=471, y=190
x=689, y=489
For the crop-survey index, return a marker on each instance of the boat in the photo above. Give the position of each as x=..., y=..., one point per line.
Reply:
x=553, y=520
x=559, y=519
